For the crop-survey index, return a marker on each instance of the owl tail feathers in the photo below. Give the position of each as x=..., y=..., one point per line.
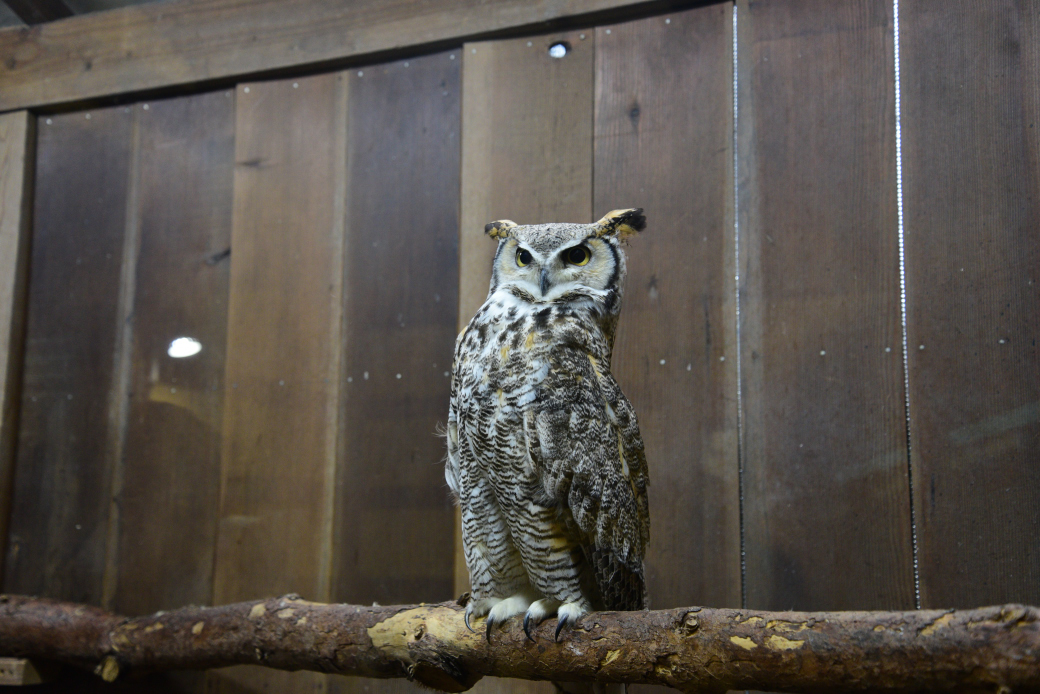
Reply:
x=621, y=223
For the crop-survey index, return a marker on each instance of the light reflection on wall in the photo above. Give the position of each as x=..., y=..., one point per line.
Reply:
x=184, y=347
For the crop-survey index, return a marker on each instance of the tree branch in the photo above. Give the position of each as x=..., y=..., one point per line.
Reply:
x=988, y=649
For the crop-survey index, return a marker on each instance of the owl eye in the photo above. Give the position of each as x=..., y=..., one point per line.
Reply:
x=579, y=255
x=523, y=258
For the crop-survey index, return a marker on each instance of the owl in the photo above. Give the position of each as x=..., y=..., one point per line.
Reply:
x=544, y=453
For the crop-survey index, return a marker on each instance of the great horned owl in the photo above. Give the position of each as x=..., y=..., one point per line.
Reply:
x=544, y=453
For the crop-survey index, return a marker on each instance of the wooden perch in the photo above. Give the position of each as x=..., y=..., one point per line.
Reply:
x=988, y=649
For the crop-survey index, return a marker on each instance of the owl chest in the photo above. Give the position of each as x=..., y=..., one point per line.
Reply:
x=503, y=368
x=514, y=360
x=507, y=379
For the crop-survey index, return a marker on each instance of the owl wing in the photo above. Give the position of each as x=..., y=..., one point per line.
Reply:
x=584, y=441
x=458, y=456
x=451, y=433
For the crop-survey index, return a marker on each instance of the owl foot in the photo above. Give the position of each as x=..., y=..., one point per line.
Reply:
x=478, y=608
x=504, y=609
x=568, y=614
x=537, y=612
x=496, y=609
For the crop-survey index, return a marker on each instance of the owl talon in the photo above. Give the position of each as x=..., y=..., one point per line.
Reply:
x=569, y=614
x=487, y=632
x=537, y=613
x=563, y=621
x=478, y=608
x=527, y=627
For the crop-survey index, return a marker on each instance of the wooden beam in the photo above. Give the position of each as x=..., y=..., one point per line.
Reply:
x=39, y=11
x=205, y=43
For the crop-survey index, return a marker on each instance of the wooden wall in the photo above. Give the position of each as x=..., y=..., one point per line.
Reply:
x=322, y=238
x=297, y=451
x=827, y=505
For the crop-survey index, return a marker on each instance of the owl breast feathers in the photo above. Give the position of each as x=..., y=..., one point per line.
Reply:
x=544, y=453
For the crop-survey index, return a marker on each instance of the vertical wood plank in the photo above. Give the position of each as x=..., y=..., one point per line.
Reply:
x=394, y=527
x=59, y=519
x=395, y=522
x=526, y=145
x=664, y=142
x=119, y=388
x=826, y=487
x=971, y=134
x=282, y=371
x=170, y=492
x=527, y=156
x=17, y=158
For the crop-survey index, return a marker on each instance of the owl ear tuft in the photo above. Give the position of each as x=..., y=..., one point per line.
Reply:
x=499, y=229
x=621, y=223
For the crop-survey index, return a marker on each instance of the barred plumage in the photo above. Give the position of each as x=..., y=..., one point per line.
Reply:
x=544, y=452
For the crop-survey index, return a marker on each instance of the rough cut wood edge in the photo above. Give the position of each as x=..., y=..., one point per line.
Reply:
x=22, y=671
x=702, y=649
x=209, y=43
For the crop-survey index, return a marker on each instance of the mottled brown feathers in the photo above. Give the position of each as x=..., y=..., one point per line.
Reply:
x=544, y=451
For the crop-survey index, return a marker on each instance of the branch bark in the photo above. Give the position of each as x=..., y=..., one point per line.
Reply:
x=692, y=649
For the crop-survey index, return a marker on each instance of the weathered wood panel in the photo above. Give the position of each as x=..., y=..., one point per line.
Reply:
x=283, y=368
x=526, y=156
x=664, y=142
x=971, y=134
x=395, y=523
x=17, y=159
x=67, y=438
x=151, y=46
x=171, y=481
x=827, y=521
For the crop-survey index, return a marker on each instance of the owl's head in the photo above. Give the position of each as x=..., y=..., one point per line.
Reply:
x=561, y=263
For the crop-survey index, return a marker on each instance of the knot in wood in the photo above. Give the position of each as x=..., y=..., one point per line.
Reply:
x=688, y=625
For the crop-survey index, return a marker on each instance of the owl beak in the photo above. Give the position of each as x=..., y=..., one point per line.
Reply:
x=545, y=281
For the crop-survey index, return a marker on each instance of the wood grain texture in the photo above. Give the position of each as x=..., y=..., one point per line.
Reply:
x=283, y=368
x=189, y=41
x=827, y=521
x=17, y=159
x=59, y=519
x=526, y=156
x=171, y=481
x=394, y=529
x=395, y=522
x=971, y=143
x=119, y=386
x=664, y=142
